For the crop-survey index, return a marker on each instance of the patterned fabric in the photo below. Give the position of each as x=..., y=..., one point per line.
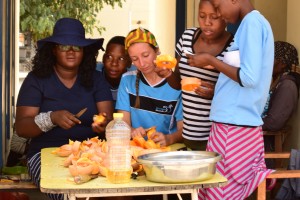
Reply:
x=34, y=168
x=196, y=109
x=140, y=35
x=286, y=53
x=266, y=108
x=18, y=144
x=43, y=121
x=242, y=163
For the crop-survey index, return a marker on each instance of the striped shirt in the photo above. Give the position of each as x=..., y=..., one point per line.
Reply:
x=196, y=109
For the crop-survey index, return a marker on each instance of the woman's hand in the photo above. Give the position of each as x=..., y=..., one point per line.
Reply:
x=104, y=108
x=160, y=138
x=163, y=72
x=138, y=132
x=199, y=60
x=64, y=119
x=99, y=126
x=157, y=137
x=206, y=89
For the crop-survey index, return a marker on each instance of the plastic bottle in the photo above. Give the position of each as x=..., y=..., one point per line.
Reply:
x=119, y=155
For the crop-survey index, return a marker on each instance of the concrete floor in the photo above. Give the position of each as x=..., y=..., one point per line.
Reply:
x=36, y=195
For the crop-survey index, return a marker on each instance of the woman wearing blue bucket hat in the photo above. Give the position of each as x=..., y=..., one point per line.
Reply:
x=69, y=31
x=62, y=82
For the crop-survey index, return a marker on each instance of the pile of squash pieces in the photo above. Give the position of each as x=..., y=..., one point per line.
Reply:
x=87, y=160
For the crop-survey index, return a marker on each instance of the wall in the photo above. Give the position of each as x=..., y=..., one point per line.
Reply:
x=164, y=25
x=293, y=23
x=276, y=13
x=156, y=15
x=2, y=61
x=293, y=32
x=192, y=13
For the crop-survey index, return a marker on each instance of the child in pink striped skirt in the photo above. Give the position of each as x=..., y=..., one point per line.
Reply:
x=240, y=95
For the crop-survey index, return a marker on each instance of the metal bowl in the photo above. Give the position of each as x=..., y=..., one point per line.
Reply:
x=179, y=166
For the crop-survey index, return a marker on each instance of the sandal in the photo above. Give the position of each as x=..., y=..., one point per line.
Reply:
x=271, y=184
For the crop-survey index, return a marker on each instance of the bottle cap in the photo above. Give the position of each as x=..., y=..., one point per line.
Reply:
x=117, y=115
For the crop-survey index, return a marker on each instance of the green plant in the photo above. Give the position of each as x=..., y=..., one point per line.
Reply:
x=38, y=17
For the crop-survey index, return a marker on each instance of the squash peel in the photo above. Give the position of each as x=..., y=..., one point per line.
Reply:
x=88, y=158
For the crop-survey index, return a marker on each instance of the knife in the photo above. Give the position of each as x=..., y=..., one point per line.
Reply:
x=80, y=112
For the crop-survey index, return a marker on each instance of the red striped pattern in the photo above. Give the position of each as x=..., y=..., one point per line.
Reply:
x=243, y=163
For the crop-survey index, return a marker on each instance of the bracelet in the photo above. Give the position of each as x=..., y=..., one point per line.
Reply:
x=43, y=121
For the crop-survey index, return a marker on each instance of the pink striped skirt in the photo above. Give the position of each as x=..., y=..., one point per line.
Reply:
x=243, y=163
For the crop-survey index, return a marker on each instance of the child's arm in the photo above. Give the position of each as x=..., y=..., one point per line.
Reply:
x=203, y=59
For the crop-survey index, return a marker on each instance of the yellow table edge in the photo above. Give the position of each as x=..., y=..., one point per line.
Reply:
x=56, y=179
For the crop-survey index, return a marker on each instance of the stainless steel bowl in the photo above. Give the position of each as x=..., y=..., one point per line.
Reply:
x=179, y=166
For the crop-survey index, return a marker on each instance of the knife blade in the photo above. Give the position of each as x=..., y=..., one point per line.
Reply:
x=80, y=112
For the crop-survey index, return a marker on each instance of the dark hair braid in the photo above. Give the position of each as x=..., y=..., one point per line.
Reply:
x=137, y=84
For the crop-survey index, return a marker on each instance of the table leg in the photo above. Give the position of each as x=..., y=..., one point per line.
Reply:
x=165, y=196
x=194, y=194
x=71, y=197
x=179, y=196
x=261, y=191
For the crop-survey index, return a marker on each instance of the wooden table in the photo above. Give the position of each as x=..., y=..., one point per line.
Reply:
x=17, y=186
x=14, y=183
x=56, y=179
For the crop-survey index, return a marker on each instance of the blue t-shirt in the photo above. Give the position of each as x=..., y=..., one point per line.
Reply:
x=242, y=104
x=160, y=105
x=50, y=94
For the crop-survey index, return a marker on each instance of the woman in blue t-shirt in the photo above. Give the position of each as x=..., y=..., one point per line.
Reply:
x=62, y=82
x=145, y=98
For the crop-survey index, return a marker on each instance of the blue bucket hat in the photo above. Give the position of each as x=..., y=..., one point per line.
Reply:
x=69, y=31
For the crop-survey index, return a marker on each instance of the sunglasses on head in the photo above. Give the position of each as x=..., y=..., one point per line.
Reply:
x=68, y=47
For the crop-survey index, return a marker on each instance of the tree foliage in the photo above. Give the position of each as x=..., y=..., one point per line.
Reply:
x=39, y=16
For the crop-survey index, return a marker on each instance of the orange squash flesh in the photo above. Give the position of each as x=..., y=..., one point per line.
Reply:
x=166, y=61
x=140, y=141
x=150, y=144
x=190, y=83
x=99, y=118
x=189, y=87
x=150, y=131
